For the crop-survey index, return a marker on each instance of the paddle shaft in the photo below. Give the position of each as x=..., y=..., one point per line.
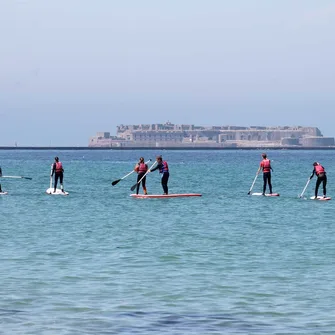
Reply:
x=303, y=191
x=253, y=183
x=17, y=177
x=51, y=176
x=127, y=175
x=116, y=181
x=133, y=187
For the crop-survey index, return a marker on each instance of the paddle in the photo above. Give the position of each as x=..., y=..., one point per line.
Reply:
x=134, y=186
x=252, y=185
x=118, y=180
x=303, y=191
x=17, y=177
x=51, y=176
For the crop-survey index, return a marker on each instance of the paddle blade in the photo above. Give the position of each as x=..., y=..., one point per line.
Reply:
x=115, y=182
x=28, y=178
x=133, y=187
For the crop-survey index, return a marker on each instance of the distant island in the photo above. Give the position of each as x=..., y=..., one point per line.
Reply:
x=169, y=135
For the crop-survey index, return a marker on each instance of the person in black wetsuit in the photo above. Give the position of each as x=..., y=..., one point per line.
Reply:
x=57, y=170
x=320, y=172
x=266, y=167
x=164, y=170
x=141, y=168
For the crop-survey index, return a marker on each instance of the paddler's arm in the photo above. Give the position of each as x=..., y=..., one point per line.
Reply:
x=312, y=174
x=157, y=167
x=0, y=172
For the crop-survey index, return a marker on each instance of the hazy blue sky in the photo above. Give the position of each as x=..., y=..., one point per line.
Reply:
x=71, y=68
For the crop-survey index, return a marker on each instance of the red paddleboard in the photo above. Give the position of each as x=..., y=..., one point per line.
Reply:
x=143, y=196
x=321, y=198
x=267, y=194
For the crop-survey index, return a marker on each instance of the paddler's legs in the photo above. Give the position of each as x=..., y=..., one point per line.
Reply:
x=0, y=188
x=317, y=185
x=165, y=179
x=265, y=179
x=56, y=182
x=143, y=185
x=269, y=182
x=324, y=184
x=139, y=176
x=61, y=181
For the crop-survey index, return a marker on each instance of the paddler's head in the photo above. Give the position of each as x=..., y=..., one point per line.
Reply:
x=315, y=163
x=159, y=159
x=264, y=155
x=56, y=159
x=141, y=160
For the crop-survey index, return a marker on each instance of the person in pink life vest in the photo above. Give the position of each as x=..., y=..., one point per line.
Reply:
x=265, y=165
x=57, y=170
x=320, y=172
x=141, y=168
x=163, y=168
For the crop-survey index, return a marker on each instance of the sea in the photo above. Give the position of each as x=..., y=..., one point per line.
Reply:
x=101, y=262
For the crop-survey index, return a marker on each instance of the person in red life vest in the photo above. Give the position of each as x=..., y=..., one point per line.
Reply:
x=320, y=172
x=164, y=170
x=141, y=168
x=57, y=170
x=265, y=165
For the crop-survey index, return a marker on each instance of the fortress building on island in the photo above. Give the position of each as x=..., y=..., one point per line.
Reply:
x=190, y=136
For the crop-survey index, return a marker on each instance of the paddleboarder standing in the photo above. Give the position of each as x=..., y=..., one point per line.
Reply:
x=164, y=170
x=57, y=170
x=265, y=166
x=320, y=172
x=141, y=168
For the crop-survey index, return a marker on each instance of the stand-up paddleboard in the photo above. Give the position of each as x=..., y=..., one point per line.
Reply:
x=321, y=198
x=3, y=193
x=149, y=196
x=58, y=192
x=267, y=194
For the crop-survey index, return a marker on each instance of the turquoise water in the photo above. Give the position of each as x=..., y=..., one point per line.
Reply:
x=100, y=262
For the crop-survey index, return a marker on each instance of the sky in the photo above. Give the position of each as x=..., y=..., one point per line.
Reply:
x=69, y=69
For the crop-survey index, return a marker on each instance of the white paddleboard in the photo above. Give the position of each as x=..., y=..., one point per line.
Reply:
x=3, y=193
x=58, y=192
x=267, y=194
x=321, y=198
